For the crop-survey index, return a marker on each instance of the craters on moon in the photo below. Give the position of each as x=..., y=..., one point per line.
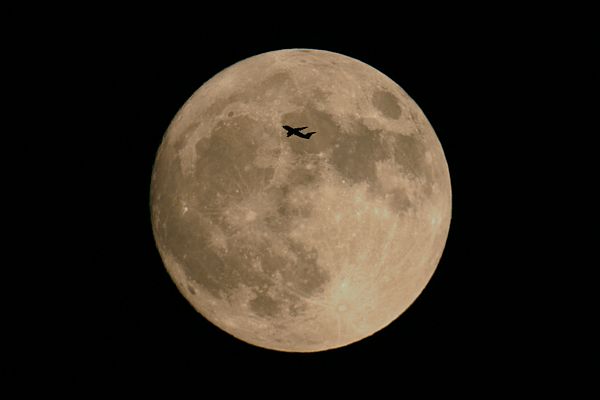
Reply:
x=286, y=243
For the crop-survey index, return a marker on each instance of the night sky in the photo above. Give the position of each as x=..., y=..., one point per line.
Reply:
x=117, y=312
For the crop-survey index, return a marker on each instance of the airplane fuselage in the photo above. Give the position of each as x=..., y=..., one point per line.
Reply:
x=296, y=131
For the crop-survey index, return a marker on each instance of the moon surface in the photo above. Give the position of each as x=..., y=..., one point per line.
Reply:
x=292, y=244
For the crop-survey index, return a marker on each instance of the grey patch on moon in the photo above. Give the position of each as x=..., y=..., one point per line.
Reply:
x=226, y=178
x=387, y=104
x=269, y=273
x=191, y=289
x=354, y=156
x=276, y=82
x=410, y=153
x=220, y=171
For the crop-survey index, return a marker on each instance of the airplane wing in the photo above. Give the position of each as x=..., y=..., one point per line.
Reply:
x=299, y=129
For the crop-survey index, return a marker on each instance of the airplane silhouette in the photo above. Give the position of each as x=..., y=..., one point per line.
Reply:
x=296, y=131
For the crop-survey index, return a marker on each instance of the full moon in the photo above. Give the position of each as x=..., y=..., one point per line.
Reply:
x=293, y=244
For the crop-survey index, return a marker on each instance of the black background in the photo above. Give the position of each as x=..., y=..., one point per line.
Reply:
x=482, y=318
x=461, y=315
